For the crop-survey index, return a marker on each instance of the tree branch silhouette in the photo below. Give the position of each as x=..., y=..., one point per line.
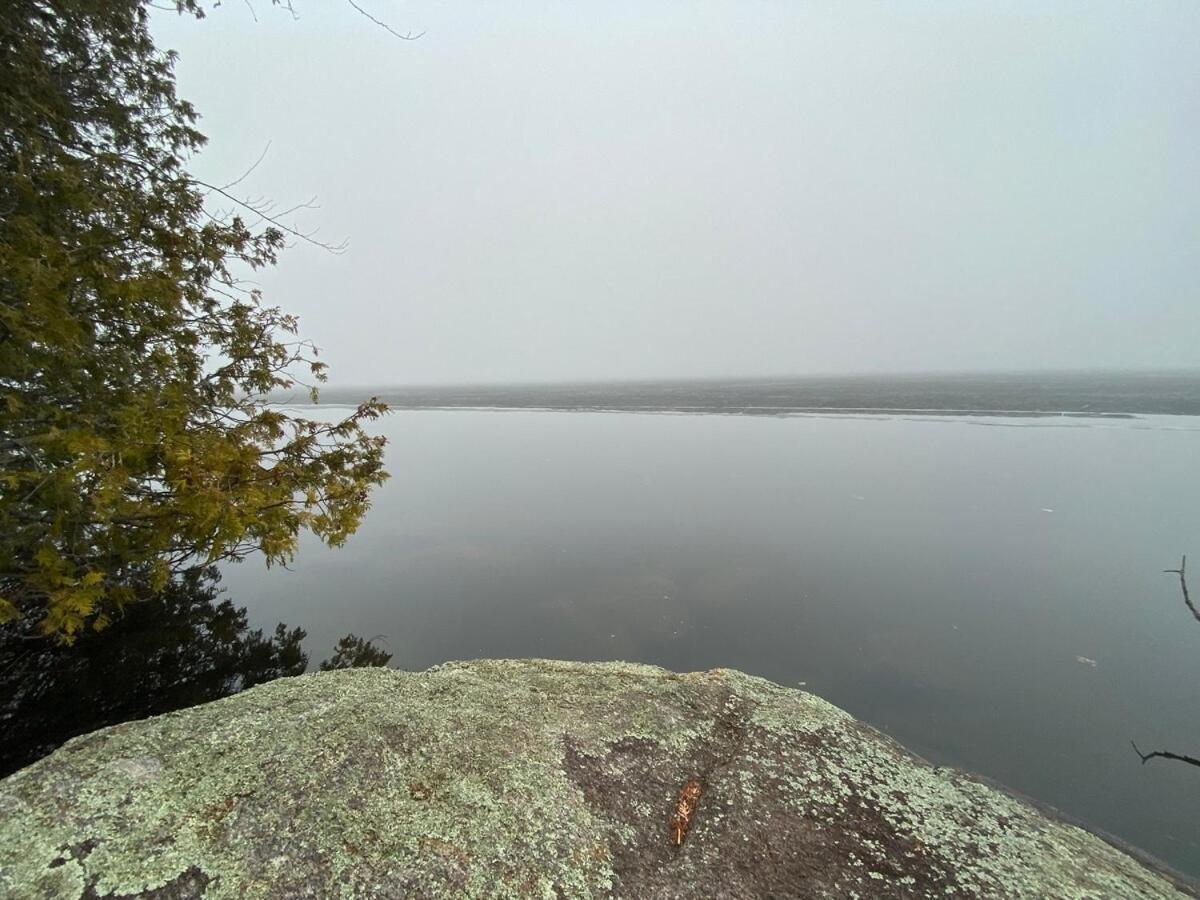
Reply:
x=1164, y=754
x=407, y=36
x=289, y=7
x=1183, y=586
x=1187, y=599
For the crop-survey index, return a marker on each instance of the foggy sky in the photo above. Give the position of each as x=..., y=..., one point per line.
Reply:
x=554, y=191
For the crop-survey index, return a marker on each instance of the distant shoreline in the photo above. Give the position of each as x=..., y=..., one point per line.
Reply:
x=1062, y=394
x=753, y=411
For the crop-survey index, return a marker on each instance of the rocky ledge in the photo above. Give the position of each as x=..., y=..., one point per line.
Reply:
x=529, y=779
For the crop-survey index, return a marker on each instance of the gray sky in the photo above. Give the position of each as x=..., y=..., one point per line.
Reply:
x=554, y=191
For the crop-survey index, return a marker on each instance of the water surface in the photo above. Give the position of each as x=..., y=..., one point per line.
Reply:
x=987, y=590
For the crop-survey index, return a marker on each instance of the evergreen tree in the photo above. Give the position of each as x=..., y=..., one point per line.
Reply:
x=136, y=441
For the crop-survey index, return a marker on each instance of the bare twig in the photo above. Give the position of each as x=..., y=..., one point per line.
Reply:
x=1165, y=754
x=1182, y=573
x=246, y=174
x=408, y=36
x=264, y=216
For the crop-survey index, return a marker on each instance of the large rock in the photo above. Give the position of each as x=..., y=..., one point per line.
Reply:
x=528, y=779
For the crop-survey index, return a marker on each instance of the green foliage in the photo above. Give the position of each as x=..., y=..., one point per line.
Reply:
x=136, y=440
x=353, y=652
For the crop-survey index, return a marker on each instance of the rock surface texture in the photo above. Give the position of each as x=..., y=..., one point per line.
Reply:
x=528, y=779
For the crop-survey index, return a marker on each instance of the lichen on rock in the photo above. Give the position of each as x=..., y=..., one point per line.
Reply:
x=528, y=778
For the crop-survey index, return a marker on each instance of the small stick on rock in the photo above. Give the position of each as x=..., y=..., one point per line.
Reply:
x=685, y=808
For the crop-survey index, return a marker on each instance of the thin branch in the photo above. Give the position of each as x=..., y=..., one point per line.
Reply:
x=288, y=229
x=246, y=174
x=409, y=36
x=1165, y=754
x=1183, y=586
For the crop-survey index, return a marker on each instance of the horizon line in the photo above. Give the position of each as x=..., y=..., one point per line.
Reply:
x=684, y=379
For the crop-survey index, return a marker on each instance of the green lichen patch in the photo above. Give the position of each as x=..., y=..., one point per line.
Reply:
x=527, y=779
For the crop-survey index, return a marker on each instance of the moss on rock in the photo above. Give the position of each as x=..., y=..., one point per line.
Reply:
x=528, y=779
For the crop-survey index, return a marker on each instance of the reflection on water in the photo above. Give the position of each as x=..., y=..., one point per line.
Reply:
x=188, y=647
x=939, y=579
x=184, y=647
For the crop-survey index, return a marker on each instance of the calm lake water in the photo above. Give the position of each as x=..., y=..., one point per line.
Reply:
x=989, y=591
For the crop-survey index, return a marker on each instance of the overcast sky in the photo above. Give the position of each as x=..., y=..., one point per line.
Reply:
x=561, y=191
